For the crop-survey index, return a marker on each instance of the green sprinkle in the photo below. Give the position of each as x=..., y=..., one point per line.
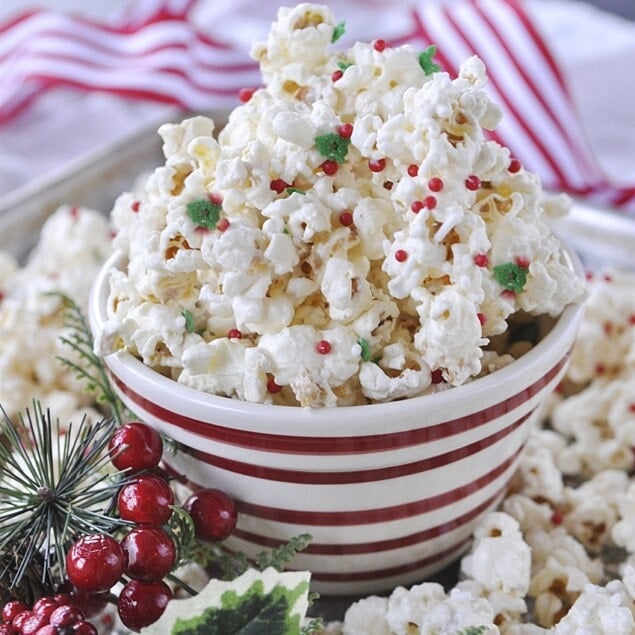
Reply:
x=332, y=146
x=189, y=321
x=344, y=65
x=473, y=630
x=285, y=230
x=204, y=213
x=511, y=276
x=426, y=62
x=294, y=190
x=338, y=30
x=365, y=346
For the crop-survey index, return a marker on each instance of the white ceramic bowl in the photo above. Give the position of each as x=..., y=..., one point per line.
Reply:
x=389, y=492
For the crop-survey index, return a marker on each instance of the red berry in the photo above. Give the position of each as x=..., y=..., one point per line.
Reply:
x=430, y=202
x=146, y=501
x=272, y=386
x=323, y=347
x=84, y=628
x=346, y=218
x=150, y=553
x=472, y=182
x=63, y=598
x=413, y=170
x=135, y=206
x=245, y=94
x=557, y=518
x=278, y=185
x=380, y=45
x=401, y=255
x=417, y=206
x=345, y=130
x=89, y=604
x=7, y=629
x=19, y=619
x=44, y=606
x=135, y=446
x=335, y=75
x=514, y=166
x=234, y=334
x=222, y=224
x=376, y=165
x=213, y=513
x=47, y=630
x=142, y=603
x=11, y=609
x=481, y=260
x=33, y=623
x=435, y=184
x=94, y=563
x=66, y=615
x=330, y=167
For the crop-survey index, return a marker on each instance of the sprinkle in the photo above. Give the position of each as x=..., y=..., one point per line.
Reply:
x=189, y=321
x=234, y=334
x=508, y=295
x=345, y=130
x=401, y=255
x=631, y=319
x=332, y=146
x=272, y=387
x=278, y=185
x=344, y=65
x=346, y=218
x=376, y=165
x=557, y=518
x=380, y=45
x=481, y=260
x=365, y=346
x=388, y=185
x=74, y=211
x=330, y=167
x=522, y=261
x=135, y=206
x=417, y=206
x=426, y=62
x=600, y=369
x=222, y=224
x=607, y=277
x=472, y=182
x=245, y=94
x=338, y=30
x=430, y=202
x=514, y=166
x=335, y=75
x=436, y=377
x=631, y=407
x=323, y=347
x=482, y=318
x=511, y=276
x=295, y=190
x=435, y=184
x=204, y=213
x=413, y=170
x=215, y=198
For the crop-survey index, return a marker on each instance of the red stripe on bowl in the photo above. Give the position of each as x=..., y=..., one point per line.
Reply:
x=418, y=537
x=356, y=476
x=287, y=444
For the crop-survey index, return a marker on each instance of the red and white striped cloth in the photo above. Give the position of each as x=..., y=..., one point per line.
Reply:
x=156, y=51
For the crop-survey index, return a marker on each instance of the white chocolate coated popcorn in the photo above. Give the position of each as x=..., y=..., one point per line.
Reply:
x=351, y=228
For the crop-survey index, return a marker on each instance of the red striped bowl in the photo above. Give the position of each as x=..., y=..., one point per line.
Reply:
x=389, y=492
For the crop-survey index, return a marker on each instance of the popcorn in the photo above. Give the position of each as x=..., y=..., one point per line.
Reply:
x=355, y=195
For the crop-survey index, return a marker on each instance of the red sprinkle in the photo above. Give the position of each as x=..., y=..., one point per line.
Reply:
x=588, y=275
x=330, y=167
x=417, y=206
x=376, y=165
x=508, y=294
x=436, y=376
x=345, y=130
x=631, y=319
x=401, y=255
x=245, y=94
x=557, y=518
x=481, y=260
x=74, y=211
x=514, y=166
x=435, y=184
x=272, y=387
x=522, y=261
x=323, y=347
x=472, y=182
x=335, y=75
x=215, y=198
x=234, y=334
x=222, y=224
x=607, y=277
x=135, y=206
x=278, y=185
x=430, y=202
x=380, y=45
x=346, y=218
x=413, y=170
x=482, y=318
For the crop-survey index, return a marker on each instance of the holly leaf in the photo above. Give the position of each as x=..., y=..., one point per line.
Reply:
x=256, y=602
x=426, y=62
x=295, y=190
x=189, y=321
x=204, y=213
x=511, y=276
x=365, y=346
x=338, y=30
x=332, y=146
x=473, y=630
x=344, y=65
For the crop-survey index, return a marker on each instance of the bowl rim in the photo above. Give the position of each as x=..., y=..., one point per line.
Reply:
x=394, y=416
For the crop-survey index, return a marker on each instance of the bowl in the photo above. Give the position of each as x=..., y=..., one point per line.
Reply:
x=390, y=492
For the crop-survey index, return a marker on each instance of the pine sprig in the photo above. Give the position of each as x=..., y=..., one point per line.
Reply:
x=89, y=367
x=53, y=488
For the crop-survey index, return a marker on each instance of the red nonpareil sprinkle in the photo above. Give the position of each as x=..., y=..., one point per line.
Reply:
x=376, y=165
x=588, y=275
x=417, y=206
x=215, y=198
x=380, y=45
x=401, y=255
x=335, y=75
x=74, y=211
x=472, y=182
x=514, y=166
x=436, y=377
x=346, y=218
x=278, y=185
x=481, y=260
x=430, y=202
x=482, y=318
x=413, y=170
x=272, y=387
x=557, y=518
x=234, y=334
x=245, y=94
x=435, y=184
x=330, y=167
x=135, y=206
x=323, y=347
x=222, y=224
x=345, y=130
x=522, y=261
x=508, y=294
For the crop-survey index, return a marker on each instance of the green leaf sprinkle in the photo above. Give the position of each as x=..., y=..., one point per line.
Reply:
x=365, y=346
x=344, y=65
x=473, y=630
x=189, y=321
x=426, y=62
x=511, y=276
x=338, y=30
x=204, y=213
x=332, y=146
x=294, y=190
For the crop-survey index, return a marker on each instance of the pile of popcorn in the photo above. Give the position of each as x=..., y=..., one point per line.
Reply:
x=351, y=235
